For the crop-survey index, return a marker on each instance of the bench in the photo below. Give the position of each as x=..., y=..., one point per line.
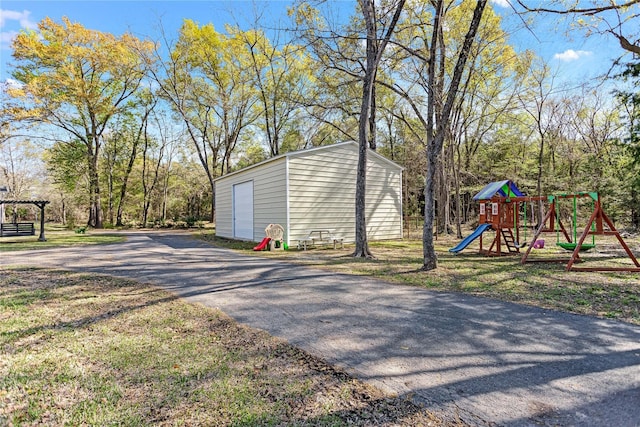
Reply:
x=320, y=237
x=17, y=229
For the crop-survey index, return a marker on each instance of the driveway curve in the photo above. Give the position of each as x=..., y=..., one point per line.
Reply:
x=480, y=360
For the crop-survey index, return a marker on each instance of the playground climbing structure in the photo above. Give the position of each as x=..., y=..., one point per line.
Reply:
x=503, y=214
x=499, y=214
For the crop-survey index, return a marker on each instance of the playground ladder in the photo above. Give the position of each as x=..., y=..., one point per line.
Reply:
x=509, y=240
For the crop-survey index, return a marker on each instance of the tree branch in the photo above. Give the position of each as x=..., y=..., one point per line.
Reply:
x=625, y=43
x=584, y=11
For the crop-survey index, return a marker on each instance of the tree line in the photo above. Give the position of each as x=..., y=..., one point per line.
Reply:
x=135, y=131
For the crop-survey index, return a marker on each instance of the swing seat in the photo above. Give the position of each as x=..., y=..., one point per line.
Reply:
x=572, y=246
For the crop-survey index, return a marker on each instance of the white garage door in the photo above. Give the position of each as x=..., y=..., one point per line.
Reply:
x=243, y=210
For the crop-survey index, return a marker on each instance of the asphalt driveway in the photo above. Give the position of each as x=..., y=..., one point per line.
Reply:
x=484, y=361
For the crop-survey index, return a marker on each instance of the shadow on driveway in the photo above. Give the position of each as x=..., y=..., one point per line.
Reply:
x=485, y=361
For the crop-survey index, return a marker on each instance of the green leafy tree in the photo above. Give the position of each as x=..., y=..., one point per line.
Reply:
x=77, y=80
x=207, y=81
x=121, y=151
x=281, y=78
x=68, y=170
x=630, y=99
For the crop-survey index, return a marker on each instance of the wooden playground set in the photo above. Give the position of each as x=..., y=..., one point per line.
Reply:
x=503, y=211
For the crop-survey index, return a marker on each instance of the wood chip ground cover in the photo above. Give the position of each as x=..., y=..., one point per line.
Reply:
x=92, y=350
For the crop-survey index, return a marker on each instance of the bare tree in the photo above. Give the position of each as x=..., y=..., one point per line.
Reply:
x=18, y=168
x=148, y=101
x=540, y=106
x=428, y=70
x=339, y=53
x=610, y=18
x=281, y=75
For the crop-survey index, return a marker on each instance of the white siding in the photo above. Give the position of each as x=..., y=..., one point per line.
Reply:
x=384, y=200
x=224, y=208
x=322, y=187
x=322, y=191
x=269, y=198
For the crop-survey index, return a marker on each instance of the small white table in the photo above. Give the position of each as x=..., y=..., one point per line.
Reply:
x=320, y=236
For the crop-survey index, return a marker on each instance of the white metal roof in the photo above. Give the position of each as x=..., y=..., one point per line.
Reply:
x=306, y=151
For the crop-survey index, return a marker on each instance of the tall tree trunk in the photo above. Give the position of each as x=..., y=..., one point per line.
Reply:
x=443, y=192
x=110, y=194
x=95, y=210
x=374, y=55
x=539, y=179
x=435, y=141
x=456, y=182
x=132, y=159
x=362, y=245
x=428, y=249
x=125, y=181
x=372, y=119
x=446, y=188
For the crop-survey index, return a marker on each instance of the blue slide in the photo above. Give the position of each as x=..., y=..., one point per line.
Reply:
x=470, y=238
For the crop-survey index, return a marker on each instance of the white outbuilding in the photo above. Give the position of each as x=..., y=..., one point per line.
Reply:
x=310, y=189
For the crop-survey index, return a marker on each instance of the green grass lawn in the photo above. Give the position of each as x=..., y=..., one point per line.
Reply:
x=80, y=349
x=56, y=237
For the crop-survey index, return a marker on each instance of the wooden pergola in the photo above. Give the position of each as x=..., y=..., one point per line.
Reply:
x=39, y=203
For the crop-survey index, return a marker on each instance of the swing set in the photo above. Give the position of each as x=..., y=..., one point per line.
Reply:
x=502, y=205
x=597, y=224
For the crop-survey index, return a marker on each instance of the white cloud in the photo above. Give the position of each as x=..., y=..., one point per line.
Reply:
x=7, y=17
x=7, y=36
x=13, y=84
x=572, y=55
x=22, y=18
x=501, y=3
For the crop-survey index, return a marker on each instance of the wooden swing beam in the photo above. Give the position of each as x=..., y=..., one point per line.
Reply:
x=39, y=203
x=552, y=217
x=599, y=218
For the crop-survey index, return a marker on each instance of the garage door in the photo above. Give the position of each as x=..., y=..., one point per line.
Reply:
x=243, y=210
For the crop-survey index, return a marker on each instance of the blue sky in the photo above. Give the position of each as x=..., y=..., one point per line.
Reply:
x=575, y=59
